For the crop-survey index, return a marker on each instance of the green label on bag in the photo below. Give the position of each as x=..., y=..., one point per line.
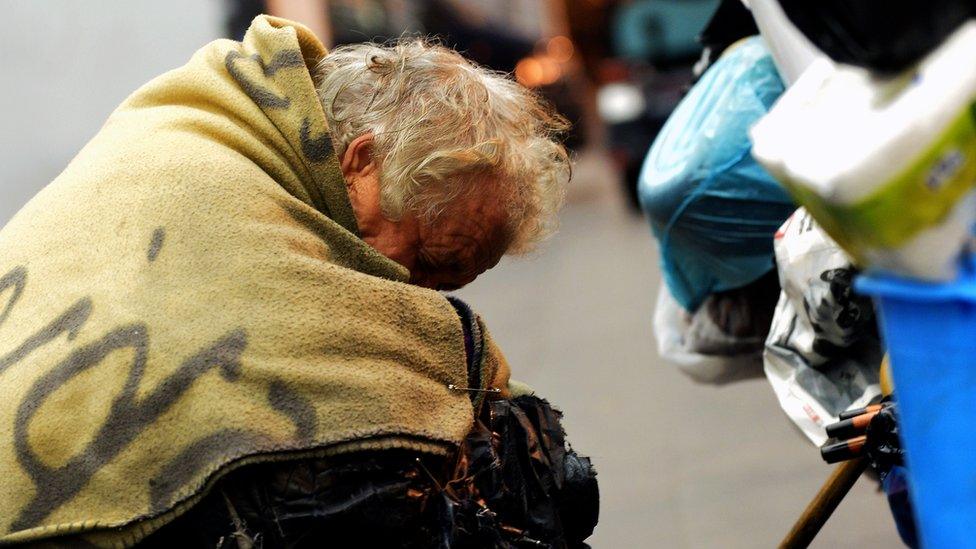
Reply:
x=921, y=197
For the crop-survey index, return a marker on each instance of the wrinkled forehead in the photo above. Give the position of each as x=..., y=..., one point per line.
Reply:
x=475, y=229
x=488, y=205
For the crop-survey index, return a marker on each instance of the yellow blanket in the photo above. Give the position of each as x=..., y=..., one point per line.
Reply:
x=190, y=295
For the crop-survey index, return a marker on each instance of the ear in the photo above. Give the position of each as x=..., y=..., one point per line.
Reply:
x=357, y=161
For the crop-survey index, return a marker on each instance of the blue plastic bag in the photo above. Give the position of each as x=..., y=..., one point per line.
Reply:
x=713, y=209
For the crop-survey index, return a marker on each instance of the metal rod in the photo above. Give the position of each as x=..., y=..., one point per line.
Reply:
x=473, y=390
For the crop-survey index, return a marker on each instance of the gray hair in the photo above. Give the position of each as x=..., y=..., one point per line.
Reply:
x=441, y=126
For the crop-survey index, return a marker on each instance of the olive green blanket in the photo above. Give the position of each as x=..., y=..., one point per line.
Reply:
x=190, y=295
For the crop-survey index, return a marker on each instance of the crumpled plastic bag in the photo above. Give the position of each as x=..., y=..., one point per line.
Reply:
x=519, y=484
x=723, y=340
x=823, y=352
x=712, y=208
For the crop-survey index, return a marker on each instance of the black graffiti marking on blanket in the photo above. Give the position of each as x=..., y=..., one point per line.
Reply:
x=127, y=417
x=283, y=59
x=315, y=149
x=16, y=278
x=298, y=409
x=261, y=95
x=156, y=244
x=180, y=471
x=69, y=322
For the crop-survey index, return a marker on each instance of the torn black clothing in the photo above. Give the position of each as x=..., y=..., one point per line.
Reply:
x=514, y=483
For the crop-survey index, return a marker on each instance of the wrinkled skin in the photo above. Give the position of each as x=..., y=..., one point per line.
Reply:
x=466, y=240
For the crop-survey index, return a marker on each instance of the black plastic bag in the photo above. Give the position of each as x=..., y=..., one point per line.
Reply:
x=883, y=35
x=518, y=483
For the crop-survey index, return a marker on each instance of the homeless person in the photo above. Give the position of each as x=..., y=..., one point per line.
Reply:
x=219, y=326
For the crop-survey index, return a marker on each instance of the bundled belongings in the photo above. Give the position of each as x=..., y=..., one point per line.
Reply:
x=886, y=165
x=195, y=295
x=823, y=352
x=714, y=210
x=878, y=144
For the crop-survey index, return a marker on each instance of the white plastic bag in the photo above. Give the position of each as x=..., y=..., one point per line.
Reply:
x=792, y=52
x=700, y=348
x=823, y=352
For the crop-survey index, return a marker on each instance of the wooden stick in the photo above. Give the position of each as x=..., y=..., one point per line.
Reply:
x=824, y=503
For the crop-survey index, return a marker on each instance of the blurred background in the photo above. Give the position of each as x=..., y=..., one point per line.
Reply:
x=680, y=464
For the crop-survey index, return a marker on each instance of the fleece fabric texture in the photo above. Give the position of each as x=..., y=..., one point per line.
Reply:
x=191, y=295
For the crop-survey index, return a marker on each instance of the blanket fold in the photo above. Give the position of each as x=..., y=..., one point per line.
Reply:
x=191, y=295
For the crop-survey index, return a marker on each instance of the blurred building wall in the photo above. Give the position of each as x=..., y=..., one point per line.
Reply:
x=523, y=17
x=69, y=63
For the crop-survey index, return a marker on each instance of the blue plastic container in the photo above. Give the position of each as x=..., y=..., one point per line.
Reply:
x=930, y=330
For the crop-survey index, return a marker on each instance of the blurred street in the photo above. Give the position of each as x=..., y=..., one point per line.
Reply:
x=680, y=465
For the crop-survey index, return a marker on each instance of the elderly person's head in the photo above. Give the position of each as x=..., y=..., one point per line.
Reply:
x=449, y=166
